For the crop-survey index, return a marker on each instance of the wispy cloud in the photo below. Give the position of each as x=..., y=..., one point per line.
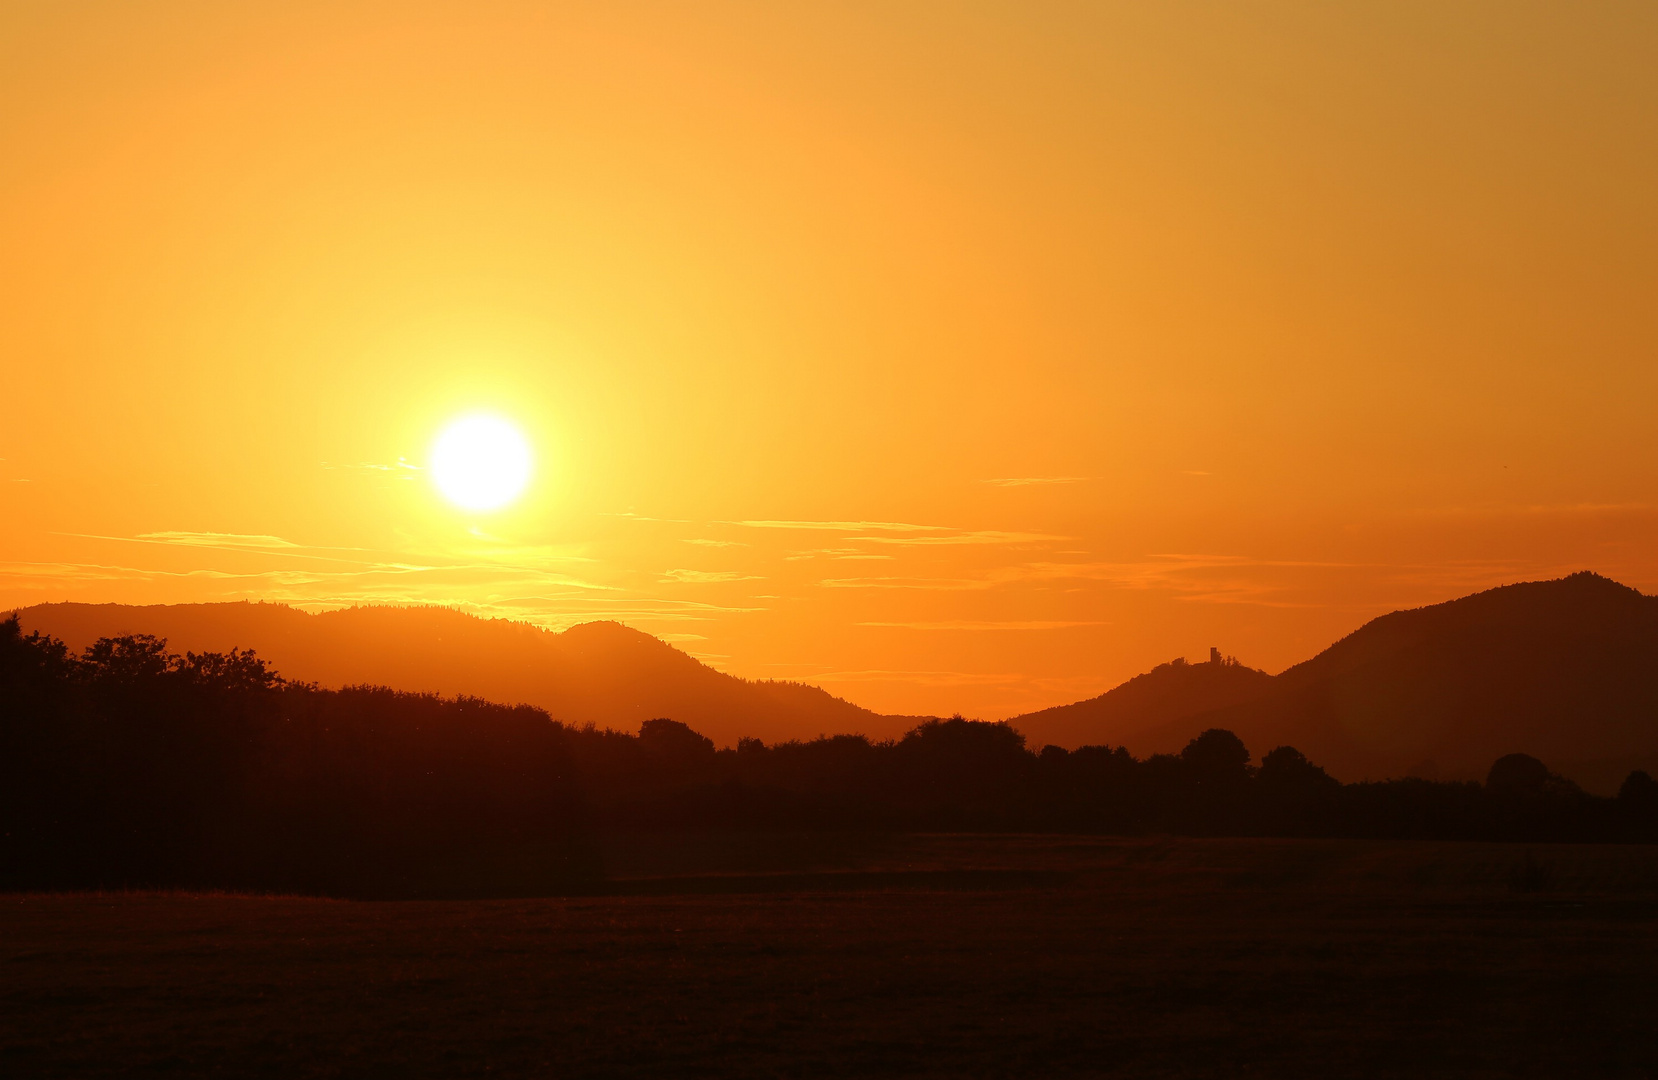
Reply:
x=844, y=526
x=920, y=678
x=528, y=557
x=49, y=573
x=1210, y=578
x=833, y=553
x=704, y=577
x=908, y=533
x=478, y=566
x=217, y=539
x=986, y=624
x=241, y=542
x=930, y=584
x=1192, y=578
x=1262, y=582
x=704, y=542
x=33, y=574
x=1034, y=481
x=981, y=536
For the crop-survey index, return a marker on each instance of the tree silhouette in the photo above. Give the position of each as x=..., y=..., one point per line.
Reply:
x=132, y=766
x=1218, y=756
x=126, y=660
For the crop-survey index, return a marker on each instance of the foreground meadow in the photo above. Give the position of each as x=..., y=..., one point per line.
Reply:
x=911, y=955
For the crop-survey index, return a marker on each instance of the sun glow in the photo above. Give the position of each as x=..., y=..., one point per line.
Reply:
x=480, y=462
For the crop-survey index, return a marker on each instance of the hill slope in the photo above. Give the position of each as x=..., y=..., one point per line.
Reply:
x=1163, y=697
x=1564, y=670
x=601, y=673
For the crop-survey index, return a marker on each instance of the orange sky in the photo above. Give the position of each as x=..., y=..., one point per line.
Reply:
x=953, y=357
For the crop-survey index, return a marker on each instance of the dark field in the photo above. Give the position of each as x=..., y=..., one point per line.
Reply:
x=943, y=956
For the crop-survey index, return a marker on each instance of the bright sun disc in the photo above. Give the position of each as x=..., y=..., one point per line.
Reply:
x=480, y=463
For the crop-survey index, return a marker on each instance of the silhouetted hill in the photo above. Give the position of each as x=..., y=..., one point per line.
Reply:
x=602, y=673
x=1566, y=670
x=1167, y=695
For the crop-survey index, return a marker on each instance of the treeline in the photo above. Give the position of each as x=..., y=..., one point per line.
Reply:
x=129, y=766
x=133, y=767
x=962, y=775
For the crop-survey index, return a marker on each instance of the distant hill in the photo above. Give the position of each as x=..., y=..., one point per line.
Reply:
x=602, y=672
x=1564, y=670
x=1163, y=697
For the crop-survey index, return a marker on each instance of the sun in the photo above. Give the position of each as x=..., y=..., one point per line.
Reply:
x=480, y=462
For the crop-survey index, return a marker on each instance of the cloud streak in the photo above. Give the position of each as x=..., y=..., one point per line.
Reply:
x=984, y=624
x=843, y=526
x=706, y=577
x=833, y=553
x=928, y=584
x=233, y=542
x=978, y=537
x=1034, y=481
x=217, y=539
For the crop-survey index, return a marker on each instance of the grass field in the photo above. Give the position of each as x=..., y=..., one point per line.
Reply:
x=917, y=956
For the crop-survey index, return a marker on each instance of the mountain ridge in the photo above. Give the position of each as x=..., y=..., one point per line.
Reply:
x=604, y=673
x=1565, y=669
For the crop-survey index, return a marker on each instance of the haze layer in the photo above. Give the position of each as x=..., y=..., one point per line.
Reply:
x=951, y=357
